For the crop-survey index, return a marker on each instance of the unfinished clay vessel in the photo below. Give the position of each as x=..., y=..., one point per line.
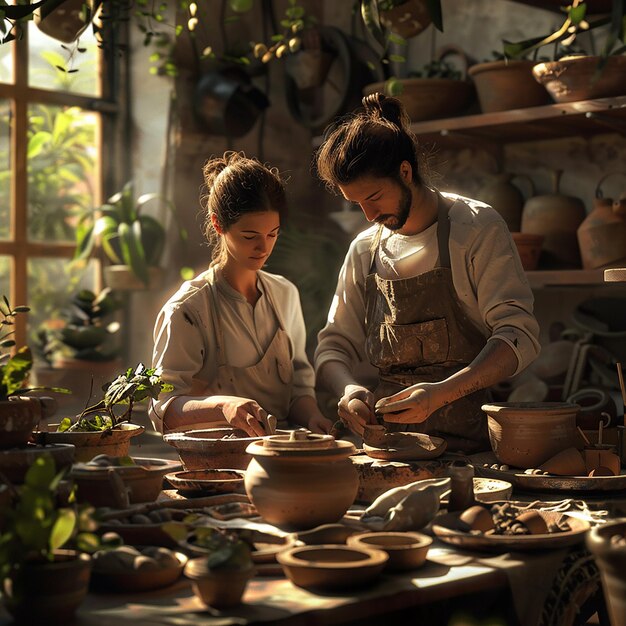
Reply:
x=568, y=462
x=406, y=551
x=526, y=434
x=212, y=448
x=301, y=480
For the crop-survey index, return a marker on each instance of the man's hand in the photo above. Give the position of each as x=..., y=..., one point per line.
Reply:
x=355, y=408
x=320, y=424
x=409, y=406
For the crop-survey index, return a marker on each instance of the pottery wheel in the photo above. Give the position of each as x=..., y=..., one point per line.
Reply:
x=406, y=447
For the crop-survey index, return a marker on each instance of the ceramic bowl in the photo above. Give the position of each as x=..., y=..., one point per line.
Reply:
x=119, y=486
x=526, y=434
x=138, y=580
x=212, y=448
x=405, y=550
x=332, y=566
x=207, y=481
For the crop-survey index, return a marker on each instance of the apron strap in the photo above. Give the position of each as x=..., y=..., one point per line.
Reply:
x=443, y=232
x=270, y=299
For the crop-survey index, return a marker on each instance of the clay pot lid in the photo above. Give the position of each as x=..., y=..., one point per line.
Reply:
x=301, y=442
x=545, y=408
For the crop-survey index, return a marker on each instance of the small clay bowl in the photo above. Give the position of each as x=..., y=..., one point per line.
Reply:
x=332, y=566
x=207, y=481
x=140, y=580
x=405, y=550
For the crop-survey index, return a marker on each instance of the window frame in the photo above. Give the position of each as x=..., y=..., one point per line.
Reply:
x=19, y=96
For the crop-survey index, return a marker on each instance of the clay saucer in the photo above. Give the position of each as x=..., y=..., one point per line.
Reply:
x=406, y=447
x=207, y=481
x=330, y=566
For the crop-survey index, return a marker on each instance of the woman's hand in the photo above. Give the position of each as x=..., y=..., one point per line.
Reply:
x=243, y=413
x=409, y=406
x=355, y=408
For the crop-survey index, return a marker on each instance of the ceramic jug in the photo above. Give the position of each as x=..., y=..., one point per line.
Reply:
x=602, y=235
x=506, y=198
x=556, y=217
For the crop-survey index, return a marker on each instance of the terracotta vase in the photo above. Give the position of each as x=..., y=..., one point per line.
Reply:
x=556, y=217
x=575, y=78
x=48, y=592
x=18, y=417
x=220, y=588
x=505, y=85
x=529, y=249
x=602, y=235
x=526, y=434
x=610, y=557
x=505, y=198
x=301, y=480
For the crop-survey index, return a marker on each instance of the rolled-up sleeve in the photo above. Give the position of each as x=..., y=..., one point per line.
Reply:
x=179, y=352
x=504, y=297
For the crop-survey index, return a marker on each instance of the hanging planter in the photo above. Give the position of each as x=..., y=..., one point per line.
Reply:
x=407, y=19
x=65, y=20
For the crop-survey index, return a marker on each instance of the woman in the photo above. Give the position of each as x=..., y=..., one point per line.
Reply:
x=232, y=340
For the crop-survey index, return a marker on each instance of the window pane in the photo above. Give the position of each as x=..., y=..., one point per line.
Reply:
x=71, y=67
x=61, y=168
x=51, y=284
x=5, y=169
x=6, y=63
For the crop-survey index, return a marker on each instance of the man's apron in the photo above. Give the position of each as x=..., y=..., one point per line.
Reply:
x=269, y=381
x=418, y=332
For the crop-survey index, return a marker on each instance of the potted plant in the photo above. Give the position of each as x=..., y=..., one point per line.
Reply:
x=105, y=427
x=79, y=349
x=18, y=413
x=436, y=90
x=130, y=239
x=220, y=576
x=44, y=567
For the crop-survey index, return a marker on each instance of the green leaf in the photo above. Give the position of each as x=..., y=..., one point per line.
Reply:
x=15, y=370
x=62, y=529
x=434, y=10
x=36, y=143
x=371, y=19
x=65, y=423
x=41, y=473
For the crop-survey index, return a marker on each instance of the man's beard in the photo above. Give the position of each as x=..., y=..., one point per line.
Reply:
x=397, y=221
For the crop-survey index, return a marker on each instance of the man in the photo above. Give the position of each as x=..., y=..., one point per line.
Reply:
x=433, y=295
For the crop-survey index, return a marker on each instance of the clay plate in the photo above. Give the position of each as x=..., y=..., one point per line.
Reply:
x=446, y=528
x=144, y=580
x=539, y=482
x=331, y=566
x=406, y=447
x=207, y=481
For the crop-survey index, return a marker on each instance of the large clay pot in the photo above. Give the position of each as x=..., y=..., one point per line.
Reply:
x=526, y=434
x=505, y=198
x=602, y=234
x=18, y=418
x=15, y=462
x=575, y=78
x=48, y=592
x=556, y=217
x=610, y=556
x=505, y=85
x=301, y=480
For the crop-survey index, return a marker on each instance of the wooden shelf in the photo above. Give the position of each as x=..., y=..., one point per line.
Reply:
x=553, y=121
x=550, y=278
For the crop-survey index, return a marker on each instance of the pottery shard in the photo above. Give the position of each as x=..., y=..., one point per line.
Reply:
x=568, y=462
x=596, y=459
x=534, y=522
x=478, y=518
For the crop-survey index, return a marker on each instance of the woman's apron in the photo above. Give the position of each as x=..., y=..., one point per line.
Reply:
x=270, y=381
x=418, y=332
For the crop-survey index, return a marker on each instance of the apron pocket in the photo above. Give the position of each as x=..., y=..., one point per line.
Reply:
x=412, y=345
x=285, y=371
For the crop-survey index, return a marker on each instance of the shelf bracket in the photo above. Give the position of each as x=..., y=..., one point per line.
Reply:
x=615, y=124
